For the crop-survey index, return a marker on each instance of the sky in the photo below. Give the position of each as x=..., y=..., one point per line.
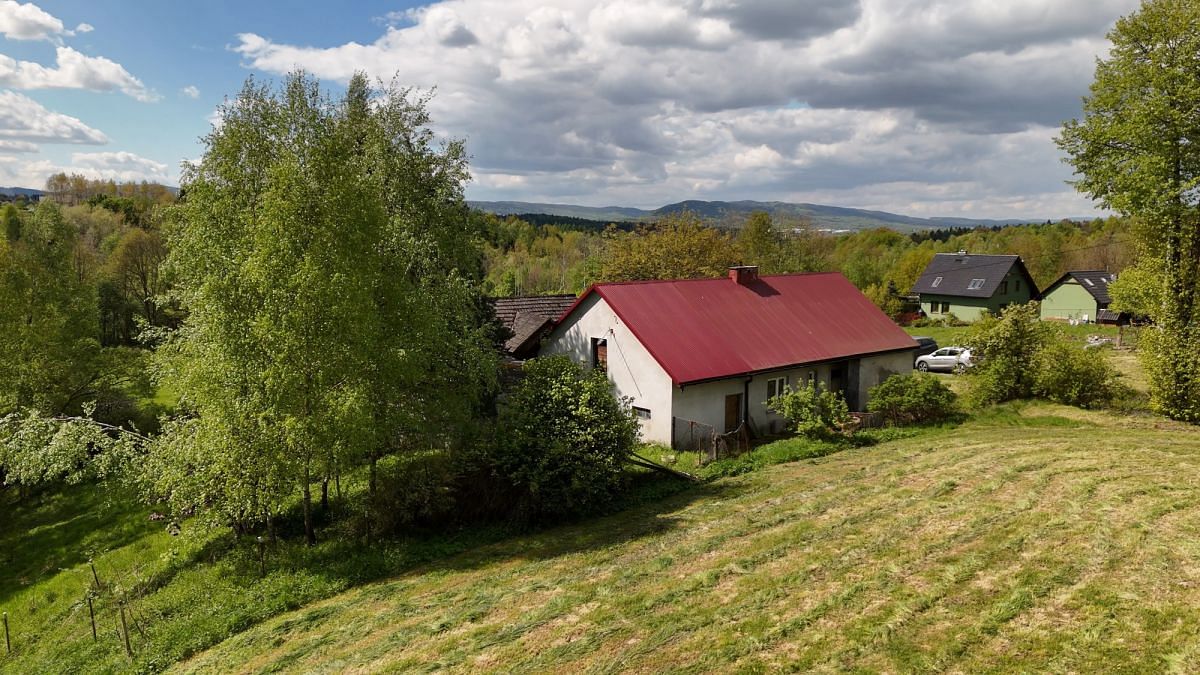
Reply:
x=921, y=107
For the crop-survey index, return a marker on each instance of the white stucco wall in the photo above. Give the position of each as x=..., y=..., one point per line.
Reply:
x=633, y=372
x=705, y=402
x=875, y=369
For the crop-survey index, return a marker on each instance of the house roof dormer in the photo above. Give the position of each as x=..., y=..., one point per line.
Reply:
x=970, y=275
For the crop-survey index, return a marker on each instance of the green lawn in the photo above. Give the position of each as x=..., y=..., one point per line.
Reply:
x=1033, y=538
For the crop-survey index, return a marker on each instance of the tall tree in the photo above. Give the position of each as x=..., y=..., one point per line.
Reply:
x=48, y=325
x=678, y=246
x=332, y=290
x=1137, y=150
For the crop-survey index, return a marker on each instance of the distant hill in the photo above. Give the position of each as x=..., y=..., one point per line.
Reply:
x=20, y=192
x=821, y=216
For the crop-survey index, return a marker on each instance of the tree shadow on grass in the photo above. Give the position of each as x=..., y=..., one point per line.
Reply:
x=466, y=547
x=54, y=530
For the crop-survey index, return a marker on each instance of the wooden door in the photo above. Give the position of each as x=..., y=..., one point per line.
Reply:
x=733, y=412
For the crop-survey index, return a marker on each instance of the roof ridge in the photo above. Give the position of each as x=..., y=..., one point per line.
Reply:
x=599, y=284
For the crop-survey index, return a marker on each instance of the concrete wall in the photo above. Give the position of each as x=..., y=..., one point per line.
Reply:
x=705, y=403
x=972, y=309
x=633, y=372
x=1069, y=300
x=873, y=370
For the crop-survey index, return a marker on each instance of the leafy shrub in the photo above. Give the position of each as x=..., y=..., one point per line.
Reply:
x=919, y=398
x=413, y=490
x=1067, y=374
x=1004, y=350
x=563, y=439
x=811, y=411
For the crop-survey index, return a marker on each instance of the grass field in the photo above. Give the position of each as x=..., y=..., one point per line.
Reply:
x=1033, y=538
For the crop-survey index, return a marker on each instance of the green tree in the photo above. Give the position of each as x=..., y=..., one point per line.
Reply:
x=1004, y=351
x=677, y=246
x=48, y=321
x=564, y=439
x=331, y=286
x=11, y=217
x=1137, y=151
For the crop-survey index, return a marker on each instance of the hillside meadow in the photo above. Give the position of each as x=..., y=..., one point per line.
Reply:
x=1031, y=537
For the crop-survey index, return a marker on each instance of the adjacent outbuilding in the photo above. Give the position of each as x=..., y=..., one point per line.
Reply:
x=528, y=319
x=966, y=286
x=1081, y=296
x=707, y=353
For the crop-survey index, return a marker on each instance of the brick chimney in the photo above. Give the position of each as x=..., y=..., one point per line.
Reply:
x=743, y=274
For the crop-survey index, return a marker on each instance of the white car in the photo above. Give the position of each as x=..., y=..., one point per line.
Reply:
x=947, y=359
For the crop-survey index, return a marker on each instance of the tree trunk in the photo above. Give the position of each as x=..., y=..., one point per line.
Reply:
x=310, y=535
x=325, y=494
x=372, y=477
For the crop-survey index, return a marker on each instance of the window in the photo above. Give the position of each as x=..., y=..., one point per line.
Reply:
x=937, y=281
x=1088, y=282
x=945, y=308
x=812, y=378
x=600, y=354
x=975, y=285
x=1003, y=287
x=776, y=386
x=1016, y=285
x=642, y=413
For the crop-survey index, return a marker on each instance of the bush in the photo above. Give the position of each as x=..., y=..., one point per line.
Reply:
x=563, y=439
x=1073, y=376
x=413, y=490
x=1004, y=350
x=810, y=411
x=919, y=398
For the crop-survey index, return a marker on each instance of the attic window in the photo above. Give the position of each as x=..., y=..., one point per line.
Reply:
x=936, y=282
x=975, y=285
x=1088, y=282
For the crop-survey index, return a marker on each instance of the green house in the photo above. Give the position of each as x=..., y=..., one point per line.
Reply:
x=1078, y=296
x=966, y=286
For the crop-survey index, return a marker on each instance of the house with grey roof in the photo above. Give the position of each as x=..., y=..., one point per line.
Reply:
x=1079, y=295
x=966, y=285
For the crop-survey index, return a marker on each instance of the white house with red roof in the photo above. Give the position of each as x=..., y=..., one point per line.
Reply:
x=710, y=352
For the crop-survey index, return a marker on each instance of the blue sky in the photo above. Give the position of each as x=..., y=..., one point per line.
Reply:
x=926, y=107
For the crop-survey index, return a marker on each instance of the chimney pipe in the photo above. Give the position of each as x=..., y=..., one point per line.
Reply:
x=743, y=274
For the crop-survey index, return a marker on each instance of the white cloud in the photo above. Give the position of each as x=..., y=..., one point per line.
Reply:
x=25, y=120
x=190, y=91
x=118, y=166
x=84, y=28
x=614, y=101
x=73, y=70
x=27, y=21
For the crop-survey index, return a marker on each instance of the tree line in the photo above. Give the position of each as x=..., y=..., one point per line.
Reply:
x=523, y=258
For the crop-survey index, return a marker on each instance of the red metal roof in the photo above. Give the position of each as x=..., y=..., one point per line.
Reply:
x=704, y=329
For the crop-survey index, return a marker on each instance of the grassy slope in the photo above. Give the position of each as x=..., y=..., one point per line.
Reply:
x=1041, y=539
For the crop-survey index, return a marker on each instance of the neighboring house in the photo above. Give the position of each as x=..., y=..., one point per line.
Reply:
x=968, y=285
x=529, y=319
x=710, y=352
x=1078, y=296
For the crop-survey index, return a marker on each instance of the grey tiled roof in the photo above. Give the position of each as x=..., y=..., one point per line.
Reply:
x=1093, y=281
x=955, y=273
x=528, y=316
